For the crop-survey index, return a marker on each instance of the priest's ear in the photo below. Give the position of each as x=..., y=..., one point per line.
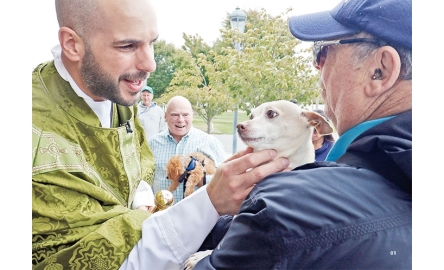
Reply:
x=72, y=44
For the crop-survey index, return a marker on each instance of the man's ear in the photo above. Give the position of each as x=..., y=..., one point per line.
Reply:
x=386, y=70
x=72, y=44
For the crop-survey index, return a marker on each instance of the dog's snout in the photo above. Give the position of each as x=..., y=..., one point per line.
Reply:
x=240, y=126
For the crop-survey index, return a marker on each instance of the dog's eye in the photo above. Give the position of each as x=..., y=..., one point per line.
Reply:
x=271, y=114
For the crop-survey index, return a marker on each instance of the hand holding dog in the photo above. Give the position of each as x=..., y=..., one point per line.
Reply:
x=236, y=177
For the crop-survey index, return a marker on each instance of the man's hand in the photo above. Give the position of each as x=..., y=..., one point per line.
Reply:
x=236, y=177
x=145, y=208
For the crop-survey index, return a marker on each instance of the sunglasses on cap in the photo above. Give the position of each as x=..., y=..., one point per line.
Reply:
x=320, y=48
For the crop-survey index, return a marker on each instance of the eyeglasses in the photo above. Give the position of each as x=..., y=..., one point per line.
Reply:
x=320, y=48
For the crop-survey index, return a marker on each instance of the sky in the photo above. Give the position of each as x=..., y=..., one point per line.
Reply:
x=174, y=18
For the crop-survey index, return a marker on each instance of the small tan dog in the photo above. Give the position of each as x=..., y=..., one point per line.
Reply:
x=190, y=169
x=283, y=126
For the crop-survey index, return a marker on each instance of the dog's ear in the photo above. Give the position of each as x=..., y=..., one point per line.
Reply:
x=319, y=123
x=174, y=167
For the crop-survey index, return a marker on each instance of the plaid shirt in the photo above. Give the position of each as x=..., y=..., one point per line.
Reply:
x=164, y=147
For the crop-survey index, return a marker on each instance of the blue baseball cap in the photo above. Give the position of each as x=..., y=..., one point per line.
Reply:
x=390, y=20
x=147, y=88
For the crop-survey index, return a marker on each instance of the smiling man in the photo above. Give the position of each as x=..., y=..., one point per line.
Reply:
x=181, y=138
x=90, y=164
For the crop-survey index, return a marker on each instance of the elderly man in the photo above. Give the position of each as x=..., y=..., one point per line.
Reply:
x=181, y=138
x=150, y=115
x=354, y=212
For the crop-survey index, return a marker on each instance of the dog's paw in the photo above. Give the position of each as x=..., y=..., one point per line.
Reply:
x=195, y=258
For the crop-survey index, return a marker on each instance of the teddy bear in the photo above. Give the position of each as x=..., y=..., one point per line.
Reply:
x=191, y=170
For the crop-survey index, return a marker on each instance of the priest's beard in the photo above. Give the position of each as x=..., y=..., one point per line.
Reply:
x=102, y=84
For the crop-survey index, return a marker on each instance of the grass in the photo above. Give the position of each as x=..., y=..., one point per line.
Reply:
x=222, y=124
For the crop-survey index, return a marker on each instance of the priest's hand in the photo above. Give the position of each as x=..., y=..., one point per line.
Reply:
x=236, y=177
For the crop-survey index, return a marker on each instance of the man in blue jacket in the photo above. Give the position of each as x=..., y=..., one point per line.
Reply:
x=353, y=211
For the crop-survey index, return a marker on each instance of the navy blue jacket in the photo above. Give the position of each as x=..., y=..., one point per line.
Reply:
x=355, y=213
x=321, y=153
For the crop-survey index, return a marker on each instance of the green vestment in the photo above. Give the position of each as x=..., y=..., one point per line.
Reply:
x=84, y=178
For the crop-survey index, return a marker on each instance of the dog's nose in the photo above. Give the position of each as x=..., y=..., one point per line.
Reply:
x=240, y=126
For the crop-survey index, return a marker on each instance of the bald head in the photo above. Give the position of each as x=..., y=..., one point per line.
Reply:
x=78, y=14
x=87, y=17
x=179, y=102
x=107, y=46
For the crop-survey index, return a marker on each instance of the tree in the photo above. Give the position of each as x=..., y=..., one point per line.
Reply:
x=268, y=68
x=199, y=84
x=168, y=60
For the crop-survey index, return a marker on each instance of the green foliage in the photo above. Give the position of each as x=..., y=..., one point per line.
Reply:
x=168, y=59
x=199, y=85
x=268, y=67
x=220, y=78
x=195, y=45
